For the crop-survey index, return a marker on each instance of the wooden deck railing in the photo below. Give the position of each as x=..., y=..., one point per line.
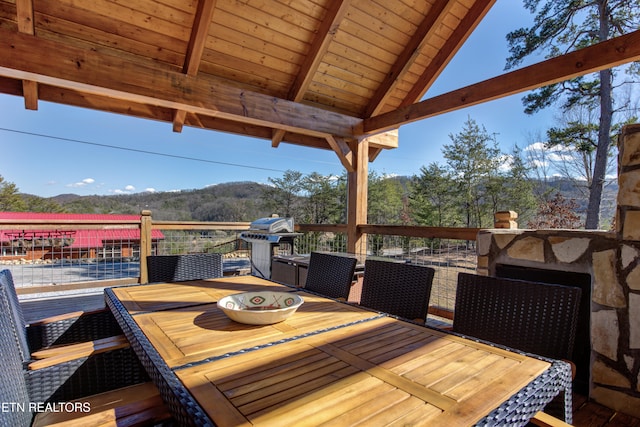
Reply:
x=82, y=260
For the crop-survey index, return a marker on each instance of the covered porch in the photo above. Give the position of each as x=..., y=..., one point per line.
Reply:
x=305, y=73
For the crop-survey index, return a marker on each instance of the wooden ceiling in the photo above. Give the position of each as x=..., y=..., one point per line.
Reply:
x=320, y=73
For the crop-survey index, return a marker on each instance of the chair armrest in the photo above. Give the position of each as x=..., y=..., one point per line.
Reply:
x=72, y=328
x=139, y=404
x=542, y=419
x=85, y=376
x=62, y=354
x=65, y=316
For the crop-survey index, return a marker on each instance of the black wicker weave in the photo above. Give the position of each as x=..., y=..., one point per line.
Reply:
x=330, y=275
x=397, y=288
x=84, y=327
x=180, y=268
x=522, y=406
x=13, y=387
x=533, y=317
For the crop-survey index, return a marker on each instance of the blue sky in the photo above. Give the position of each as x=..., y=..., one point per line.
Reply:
x=59, y=149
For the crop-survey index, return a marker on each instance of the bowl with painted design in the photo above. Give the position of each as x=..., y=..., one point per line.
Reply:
x=260, y=308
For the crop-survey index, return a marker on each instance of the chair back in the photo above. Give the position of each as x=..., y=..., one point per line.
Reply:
x=397, y=288
x=330, y=275
x=13, y=386
x=14, y=310
x=533, y=317
x=179, y=268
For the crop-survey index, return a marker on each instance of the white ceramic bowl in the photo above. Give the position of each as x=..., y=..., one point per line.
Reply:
x=260, y=308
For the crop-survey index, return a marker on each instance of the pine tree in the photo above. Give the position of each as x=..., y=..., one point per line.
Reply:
x=561, y=26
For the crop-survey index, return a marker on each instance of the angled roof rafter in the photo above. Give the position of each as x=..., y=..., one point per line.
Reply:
x=405, y=60
x=195, y=49
x=607, y=54
x=319, y=47
x=24, y=11
x=446, y=53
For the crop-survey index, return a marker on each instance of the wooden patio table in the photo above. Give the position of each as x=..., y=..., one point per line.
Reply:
x=331, y=363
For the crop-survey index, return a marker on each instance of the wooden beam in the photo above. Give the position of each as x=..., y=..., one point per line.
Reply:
x=438, y=11
x=357, y=191
x=448, y=50
x=27, y=57
x=24, y=13
x=328, y=28
x=607, y=54
x=178, y=120
x=199, y=33
x=373, y=153
x=278, y=134
x=343, y=151
x=424, y=232
x=326, y=31
x=30, y=93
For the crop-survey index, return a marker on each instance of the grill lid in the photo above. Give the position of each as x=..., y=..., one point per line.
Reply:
x=273, y=225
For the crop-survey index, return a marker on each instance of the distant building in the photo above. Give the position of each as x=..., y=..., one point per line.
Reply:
x=87, y=236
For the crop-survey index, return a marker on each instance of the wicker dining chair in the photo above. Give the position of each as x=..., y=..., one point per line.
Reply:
x=330, y=275
x=533, y=317
x=70, y=371
x=120, y=392
x=67, y=328
x=180, y=268
x=397, y=288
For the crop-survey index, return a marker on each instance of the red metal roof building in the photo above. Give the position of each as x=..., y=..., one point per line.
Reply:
x=65, y=235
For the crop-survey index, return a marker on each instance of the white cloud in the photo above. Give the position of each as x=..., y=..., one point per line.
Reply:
x=150, y=190
x=127, y=190
x=82, y=183
x=536, y=146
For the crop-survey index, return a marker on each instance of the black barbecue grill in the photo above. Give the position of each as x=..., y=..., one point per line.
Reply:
x=269, y=237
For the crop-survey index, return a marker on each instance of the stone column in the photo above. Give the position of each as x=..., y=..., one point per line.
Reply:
x=628, y=209
x=615, y=320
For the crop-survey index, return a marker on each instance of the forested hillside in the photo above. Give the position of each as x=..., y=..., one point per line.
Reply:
x=234, y=201
x=245, y=201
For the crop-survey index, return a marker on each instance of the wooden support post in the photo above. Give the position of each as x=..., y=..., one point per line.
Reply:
x=357, y=182
x=145, y=244
x=505, y=219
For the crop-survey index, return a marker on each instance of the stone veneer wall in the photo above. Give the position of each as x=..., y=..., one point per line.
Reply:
x=613, y=261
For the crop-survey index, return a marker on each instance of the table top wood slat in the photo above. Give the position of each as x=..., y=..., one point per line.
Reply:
x=266, y=390
x=329, y=364
x=166, y=296
x=184, y=335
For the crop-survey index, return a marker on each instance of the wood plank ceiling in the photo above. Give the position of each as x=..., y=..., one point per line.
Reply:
x=320, y=73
